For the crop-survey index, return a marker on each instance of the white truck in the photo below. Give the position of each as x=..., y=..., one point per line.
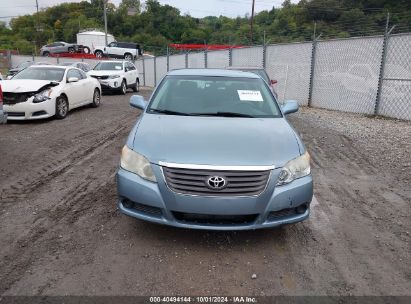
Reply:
x=93, y=39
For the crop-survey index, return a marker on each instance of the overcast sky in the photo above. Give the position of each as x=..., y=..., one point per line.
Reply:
x=196, y=8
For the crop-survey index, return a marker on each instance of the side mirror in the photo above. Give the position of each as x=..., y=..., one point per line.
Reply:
x=137, y=101
x=72, y=79
x=290, y=106
x=274, y=81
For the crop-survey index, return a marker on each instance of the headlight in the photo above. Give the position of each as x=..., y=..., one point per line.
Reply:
x=295, y=168
x=114, y=76
x=42, y=96
x=136, y=163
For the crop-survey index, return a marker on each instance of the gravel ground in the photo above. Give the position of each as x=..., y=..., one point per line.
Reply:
x=61, y=232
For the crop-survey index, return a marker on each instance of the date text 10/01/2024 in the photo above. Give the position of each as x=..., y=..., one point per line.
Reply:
x=206, y=299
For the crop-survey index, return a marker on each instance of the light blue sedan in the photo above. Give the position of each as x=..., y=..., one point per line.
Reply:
x=212, y=149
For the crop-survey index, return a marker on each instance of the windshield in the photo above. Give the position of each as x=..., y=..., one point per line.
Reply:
x=109, y=66
x=214, y=96
x=260, y=73
x=52, y=74
x=24, y=65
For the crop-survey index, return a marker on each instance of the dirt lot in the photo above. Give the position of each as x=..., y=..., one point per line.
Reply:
x=61, y=232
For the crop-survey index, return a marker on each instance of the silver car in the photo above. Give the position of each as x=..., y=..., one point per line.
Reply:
x=213, y=150
x=57, y=47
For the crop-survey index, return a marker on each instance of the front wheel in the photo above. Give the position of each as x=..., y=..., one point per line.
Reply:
x=62, y=107
x=71, y=50
x=123, y=88
x=46, y=54
x=98, y=54
x=128, y=57
x=136, y=87
x=96, y=98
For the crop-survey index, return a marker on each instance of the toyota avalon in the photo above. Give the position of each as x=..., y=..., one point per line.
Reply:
x=212, y=149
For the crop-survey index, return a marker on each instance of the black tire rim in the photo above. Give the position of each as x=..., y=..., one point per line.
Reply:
x=127, y=57
x=71, y=50
x=62, y=107
x=96, y=98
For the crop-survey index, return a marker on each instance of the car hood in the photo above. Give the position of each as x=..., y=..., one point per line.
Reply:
x=25, y=85
x=104, y=73
x=216, y=141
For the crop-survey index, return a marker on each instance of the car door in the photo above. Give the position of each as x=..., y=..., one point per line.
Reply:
x=59, y=48
x=112, y=49
x=74, y=90
x=129, y=73
x=88, y=85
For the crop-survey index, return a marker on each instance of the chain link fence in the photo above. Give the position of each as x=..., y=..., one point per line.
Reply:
x=346, y=74
x=369, y=75
x=290, y=65
x=396, y=81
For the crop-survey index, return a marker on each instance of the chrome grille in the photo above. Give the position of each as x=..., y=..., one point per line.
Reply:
x=194, y=181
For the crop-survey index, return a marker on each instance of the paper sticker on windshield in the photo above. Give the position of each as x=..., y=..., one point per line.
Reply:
x=249, y=95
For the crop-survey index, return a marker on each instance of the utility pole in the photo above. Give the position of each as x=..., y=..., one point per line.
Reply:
x=38, y=27
x=105, y=19
x=251, y=22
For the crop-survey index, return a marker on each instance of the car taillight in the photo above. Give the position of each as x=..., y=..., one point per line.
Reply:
x=1, y=95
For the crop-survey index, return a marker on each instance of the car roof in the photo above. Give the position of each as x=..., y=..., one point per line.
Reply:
x=50, y=66
x=244, y=68
x=212, y=72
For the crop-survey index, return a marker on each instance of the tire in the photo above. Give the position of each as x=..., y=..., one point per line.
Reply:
x=128, y=57
x=70, y=50
x=46, y=54
x=123, y=88
x=62, y=107
x=86, y=50
x=99, y=54
x=136, y=87
x=96, y=98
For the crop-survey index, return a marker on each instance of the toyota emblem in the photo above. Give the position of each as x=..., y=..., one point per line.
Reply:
x=216, y=182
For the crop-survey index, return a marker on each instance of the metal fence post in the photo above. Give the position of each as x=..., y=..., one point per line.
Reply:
x=264, y=56
x=230, y=56
x=205, y=59
x=312, y=69
x=186, y=60
x=382, y=66
x=168, y=59
x=9, y=63
x=144, y=73
x=155, y=71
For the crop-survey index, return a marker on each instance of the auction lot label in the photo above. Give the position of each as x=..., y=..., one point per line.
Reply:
x=249, y=95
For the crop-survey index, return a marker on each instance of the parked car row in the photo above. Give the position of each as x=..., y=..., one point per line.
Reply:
x=42, y=91
x=39, y=91
x=123, y=50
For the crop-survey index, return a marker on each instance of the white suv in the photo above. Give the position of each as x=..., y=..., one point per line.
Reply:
x=126, y=50
x=116, y=76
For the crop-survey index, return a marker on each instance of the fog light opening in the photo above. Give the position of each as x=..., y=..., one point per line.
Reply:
x=301, y=209
x=128, y=204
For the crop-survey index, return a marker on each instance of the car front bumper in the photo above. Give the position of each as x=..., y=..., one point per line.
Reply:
x=29, y=110
x=110, y=84
x=155, y=202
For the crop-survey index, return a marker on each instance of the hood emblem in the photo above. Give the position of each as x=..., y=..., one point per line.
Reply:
x=216, y=182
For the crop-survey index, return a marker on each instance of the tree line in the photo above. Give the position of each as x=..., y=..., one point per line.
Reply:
x=154, y=25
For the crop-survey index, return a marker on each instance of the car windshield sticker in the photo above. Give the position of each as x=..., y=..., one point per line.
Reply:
x=118, y=67
x=248, y=95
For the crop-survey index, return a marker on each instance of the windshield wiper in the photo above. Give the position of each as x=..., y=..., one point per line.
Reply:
x=224, y=114
x=169, y=112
